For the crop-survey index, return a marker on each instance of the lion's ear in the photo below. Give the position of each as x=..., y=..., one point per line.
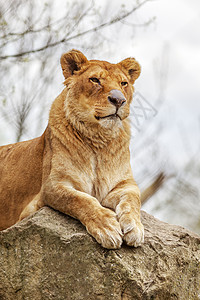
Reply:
x=72, y=61
x=131, y=67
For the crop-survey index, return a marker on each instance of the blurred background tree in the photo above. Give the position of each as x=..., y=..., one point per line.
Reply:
x=34, y=34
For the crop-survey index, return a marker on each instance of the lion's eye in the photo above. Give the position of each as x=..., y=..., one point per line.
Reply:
x=124, y=83
x=94, y=79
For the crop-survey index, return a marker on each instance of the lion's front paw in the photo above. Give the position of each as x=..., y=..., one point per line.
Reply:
x=132, y=228
x=133, y=233
x=106, y=229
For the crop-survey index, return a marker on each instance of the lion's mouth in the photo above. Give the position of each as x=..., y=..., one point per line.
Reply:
x=112, y=116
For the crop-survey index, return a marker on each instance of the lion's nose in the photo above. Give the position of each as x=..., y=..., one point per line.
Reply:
x=116, y=98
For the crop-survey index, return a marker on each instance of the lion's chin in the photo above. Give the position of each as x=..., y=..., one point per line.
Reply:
x=110, y=122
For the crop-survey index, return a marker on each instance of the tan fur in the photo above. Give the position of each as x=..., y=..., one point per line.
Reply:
x=81, y=164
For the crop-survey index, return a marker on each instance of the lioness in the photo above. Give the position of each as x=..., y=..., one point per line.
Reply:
x=81, y=164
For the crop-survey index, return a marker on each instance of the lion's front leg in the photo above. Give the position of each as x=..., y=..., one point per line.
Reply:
x=125, y=200
x=99, y=221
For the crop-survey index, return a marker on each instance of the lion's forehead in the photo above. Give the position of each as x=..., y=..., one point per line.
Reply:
x=105, y=70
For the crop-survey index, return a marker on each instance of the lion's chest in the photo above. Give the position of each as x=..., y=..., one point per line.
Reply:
x=106, y=176
x=95, y=177
x=95, y=174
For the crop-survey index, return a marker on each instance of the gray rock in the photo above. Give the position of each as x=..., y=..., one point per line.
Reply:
x=51, y=256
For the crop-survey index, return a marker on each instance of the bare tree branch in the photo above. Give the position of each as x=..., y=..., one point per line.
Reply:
x=69, y=38
x=147, y=23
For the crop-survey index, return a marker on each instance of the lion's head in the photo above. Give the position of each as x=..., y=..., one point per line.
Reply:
x=99, y=92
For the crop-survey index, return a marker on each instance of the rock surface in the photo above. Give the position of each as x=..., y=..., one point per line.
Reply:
x=51, y=256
